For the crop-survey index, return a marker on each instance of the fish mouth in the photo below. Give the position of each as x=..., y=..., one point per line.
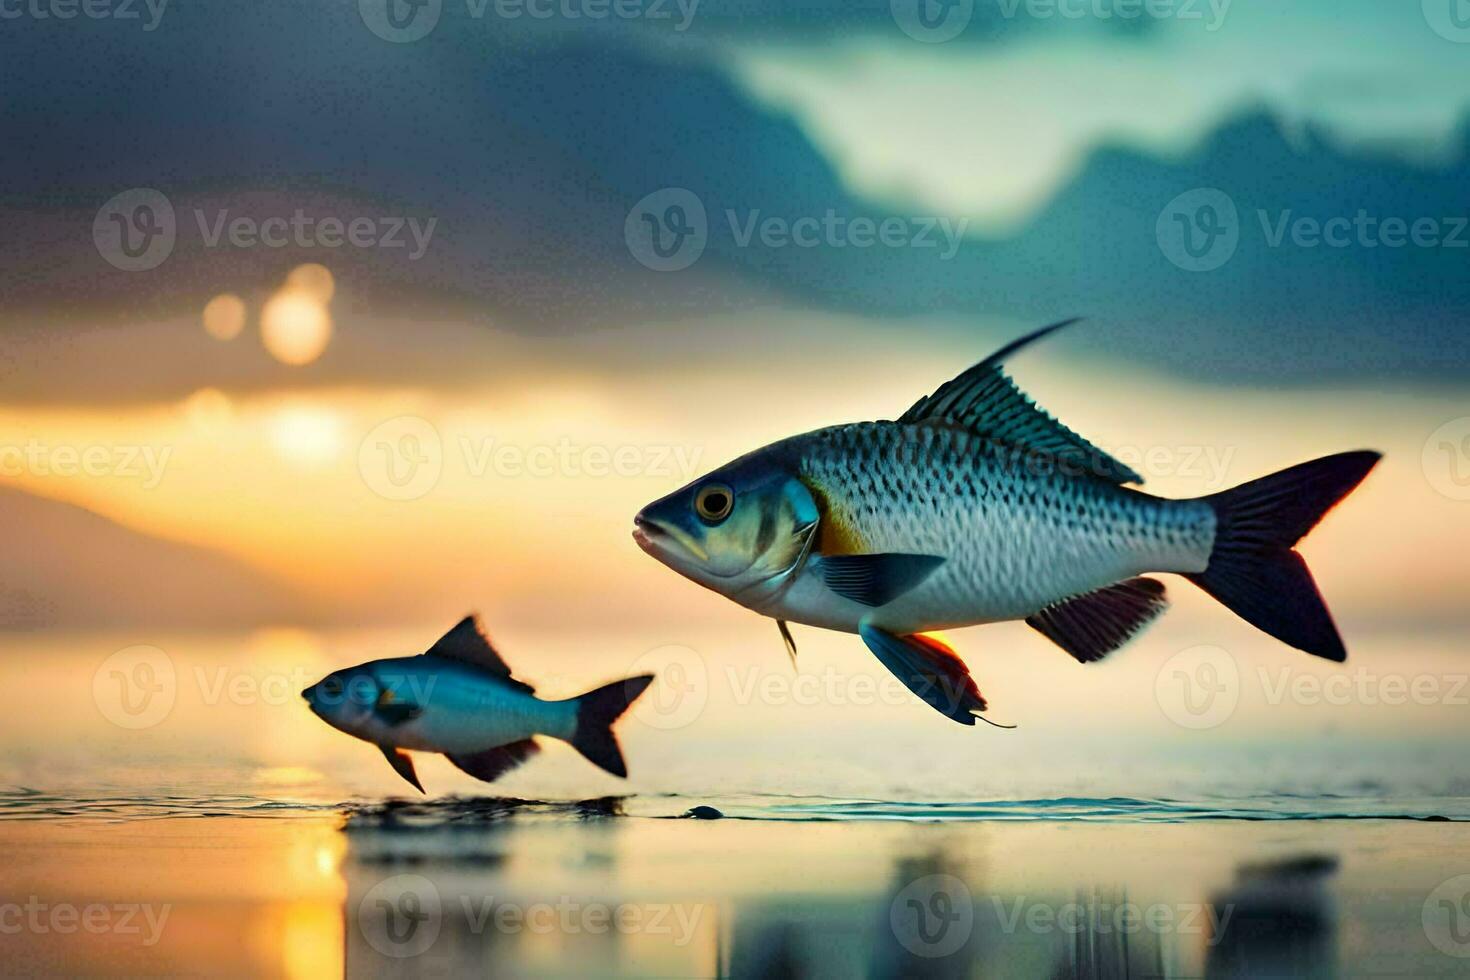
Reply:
x=644, y=531
x=662, y=541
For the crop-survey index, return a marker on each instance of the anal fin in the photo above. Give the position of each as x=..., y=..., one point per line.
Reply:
x=403, y=765
x=491, y=764
x=930, y=669
x=1091, y=626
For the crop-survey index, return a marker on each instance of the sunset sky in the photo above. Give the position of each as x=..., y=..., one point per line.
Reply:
x=325, y=323
x=517, y=493
x=392, y=435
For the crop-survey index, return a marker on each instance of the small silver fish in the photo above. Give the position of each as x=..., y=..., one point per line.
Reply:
x=976, y=506
x=460, y=699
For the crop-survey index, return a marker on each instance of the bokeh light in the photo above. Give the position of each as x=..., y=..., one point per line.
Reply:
x=313, y=279
x=224, y=316
x=295, y=327
x=209, y=410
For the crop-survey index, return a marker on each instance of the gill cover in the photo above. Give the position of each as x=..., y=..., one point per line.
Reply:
x=796, y=521
x=767, y=530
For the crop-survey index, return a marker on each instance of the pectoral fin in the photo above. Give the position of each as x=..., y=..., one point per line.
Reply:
x=491, y=764
x=403, y=765
x=876, y=580
x=931, y=670
x=393, y=710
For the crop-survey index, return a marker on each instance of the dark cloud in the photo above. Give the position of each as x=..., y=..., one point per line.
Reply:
x=530, y=156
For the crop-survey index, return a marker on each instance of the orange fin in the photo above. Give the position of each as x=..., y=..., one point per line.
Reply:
x=930, y=669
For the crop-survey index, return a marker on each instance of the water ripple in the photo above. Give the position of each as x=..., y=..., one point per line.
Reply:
x=455, y=811
x=24, y=803
x=1117, y=809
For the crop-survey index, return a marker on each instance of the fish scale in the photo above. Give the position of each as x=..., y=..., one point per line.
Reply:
x=1017, y=534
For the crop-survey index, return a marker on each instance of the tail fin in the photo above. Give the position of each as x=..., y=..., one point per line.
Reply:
x=1253, y=569
x=596, y=711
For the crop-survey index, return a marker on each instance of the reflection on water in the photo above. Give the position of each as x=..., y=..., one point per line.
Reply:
x=467, y=812
x=1282, y=921
x=592, y=888
x=459, y=895
x=929, y=914
x=477, y=884
x=482, y=885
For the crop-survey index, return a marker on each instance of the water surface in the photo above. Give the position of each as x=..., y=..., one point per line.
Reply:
x=235, y=834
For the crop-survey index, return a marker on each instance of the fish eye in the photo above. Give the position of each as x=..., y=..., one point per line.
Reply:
x=332, y=686
x=713, y=502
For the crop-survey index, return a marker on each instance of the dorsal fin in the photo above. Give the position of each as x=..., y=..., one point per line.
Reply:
x=985, y=400
x=467, y=644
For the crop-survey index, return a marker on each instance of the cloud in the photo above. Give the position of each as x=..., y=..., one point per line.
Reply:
x=530, y=160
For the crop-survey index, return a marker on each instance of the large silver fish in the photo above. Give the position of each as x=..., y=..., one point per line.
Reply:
x=976, y=506
x=459, y=699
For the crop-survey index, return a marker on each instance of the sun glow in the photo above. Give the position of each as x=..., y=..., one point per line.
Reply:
x=306, y=434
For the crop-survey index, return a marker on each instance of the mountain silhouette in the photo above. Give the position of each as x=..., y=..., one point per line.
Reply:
x=64, y=566
x=531, y=156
